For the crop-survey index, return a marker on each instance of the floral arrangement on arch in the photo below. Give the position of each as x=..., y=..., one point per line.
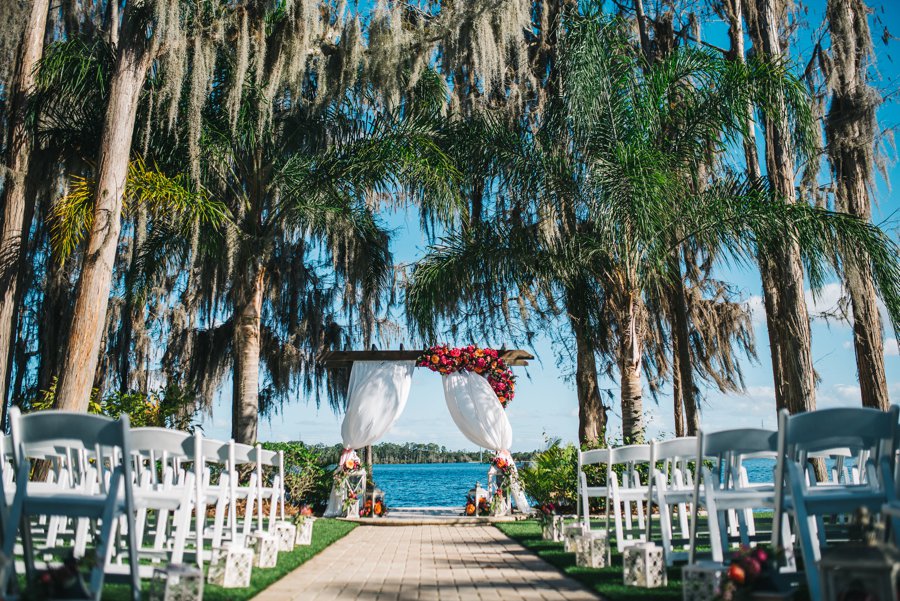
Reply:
x=504, y=468
x=482, y=361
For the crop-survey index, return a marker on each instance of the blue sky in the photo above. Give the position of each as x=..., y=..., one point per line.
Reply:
x=546, y=406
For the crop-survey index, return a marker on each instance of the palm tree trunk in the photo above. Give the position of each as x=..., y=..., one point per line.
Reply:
x=681, y=342
x=16, y=207
x=133, y=312
x=731, y=11
x=677, y=398
x=591, y=410
x=92, y=293
x=789, y=334
x=850, y=129
x=630, y=374
x=247, y=319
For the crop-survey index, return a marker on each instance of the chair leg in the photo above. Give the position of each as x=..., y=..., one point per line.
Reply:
x=714, y=524
x=162, y=529
x=107, y=531
x=808, y=544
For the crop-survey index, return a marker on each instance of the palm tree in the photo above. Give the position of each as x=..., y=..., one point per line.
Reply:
x=15, y=219
x=303, y=248
x=602, y=193
x=850, y=128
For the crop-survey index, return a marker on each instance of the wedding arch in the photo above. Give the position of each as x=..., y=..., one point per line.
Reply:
x=476, y=390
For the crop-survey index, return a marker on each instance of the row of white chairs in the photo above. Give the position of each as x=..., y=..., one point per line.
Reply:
x=131, y=494
x=861, y=444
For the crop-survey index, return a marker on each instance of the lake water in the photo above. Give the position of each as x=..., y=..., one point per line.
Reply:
x=428, y=484
x=446, y=484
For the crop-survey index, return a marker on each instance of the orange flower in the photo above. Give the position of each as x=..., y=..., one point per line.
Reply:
x=470, y=508
x=349, y=464
x=379, y=508
x=435, y=359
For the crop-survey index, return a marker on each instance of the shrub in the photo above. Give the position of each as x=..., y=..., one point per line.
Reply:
x=551, y=477
x=169, y=407
x=306, y=477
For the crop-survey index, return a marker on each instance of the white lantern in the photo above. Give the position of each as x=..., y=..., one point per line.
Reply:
x=265, y=549
x=305, y=530
x=702, y=581
x=231, y=566
x=643, y=565
x=353, y=510
x=570, y=536
x=552, y=528
x=592, y=549
x=286, y=533
x=860, y=572
x=176, y=582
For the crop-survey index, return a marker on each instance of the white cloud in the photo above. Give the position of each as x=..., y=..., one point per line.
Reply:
x=891, y=347
x=757, y=309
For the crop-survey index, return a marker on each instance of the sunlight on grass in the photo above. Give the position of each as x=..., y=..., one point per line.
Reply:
x=606, y=581
x=325, y=532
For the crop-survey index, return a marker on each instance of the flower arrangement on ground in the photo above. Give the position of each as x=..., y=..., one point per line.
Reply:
x=477, y=507
x=551, y=522
x=482, y=361
x=471, y=507
x=305, y=513
x=498, y=503
x=380, y=509
x=484, y=508
x=63, y=582
x=751, y=570
x=377, y=509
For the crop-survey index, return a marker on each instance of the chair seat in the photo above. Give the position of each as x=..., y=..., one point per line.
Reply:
x=68, y=503
x=745, y=499
x=838, y=499
x=158, y=499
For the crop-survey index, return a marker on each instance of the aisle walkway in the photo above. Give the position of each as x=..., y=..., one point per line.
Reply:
x=407, y=563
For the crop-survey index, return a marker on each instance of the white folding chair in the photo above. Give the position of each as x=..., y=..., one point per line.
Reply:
x=241, y=455
x=725, y=490
x=209, y=453
x=109, y=440
x=585, y=492
x=671, y=487
x=273, y=493
x=628, y=491
x=805, y=433
x=162, y=485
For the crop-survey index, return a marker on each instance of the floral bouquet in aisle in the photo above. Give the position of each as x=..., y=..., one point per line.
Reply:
x=551, y=522
x=304, y=523
x=752, y=570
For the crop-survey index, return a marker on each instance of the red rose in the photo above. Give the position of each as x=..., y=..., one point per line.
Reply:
x=736, y=574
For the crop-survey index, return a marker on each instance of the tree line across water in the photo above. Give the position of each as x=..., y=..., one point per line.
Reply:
x=411, y=452
x=196, y=194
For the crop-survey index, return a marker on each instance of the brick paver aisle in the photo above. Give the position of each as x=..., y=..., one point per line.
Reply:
x=407, y=563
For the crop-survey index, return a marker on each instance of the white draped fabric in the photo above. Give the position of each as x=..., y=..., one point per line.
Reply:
x=476, y=411
x=376, y=397
x=478, y=414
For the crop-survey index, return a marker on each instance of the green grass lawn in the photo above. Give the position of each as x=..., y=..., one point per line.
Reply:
x=325, y=532
x=606, y=581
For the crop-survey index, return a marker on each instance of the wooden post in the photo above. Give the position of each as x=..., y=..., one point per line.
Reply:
x=367, y=459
